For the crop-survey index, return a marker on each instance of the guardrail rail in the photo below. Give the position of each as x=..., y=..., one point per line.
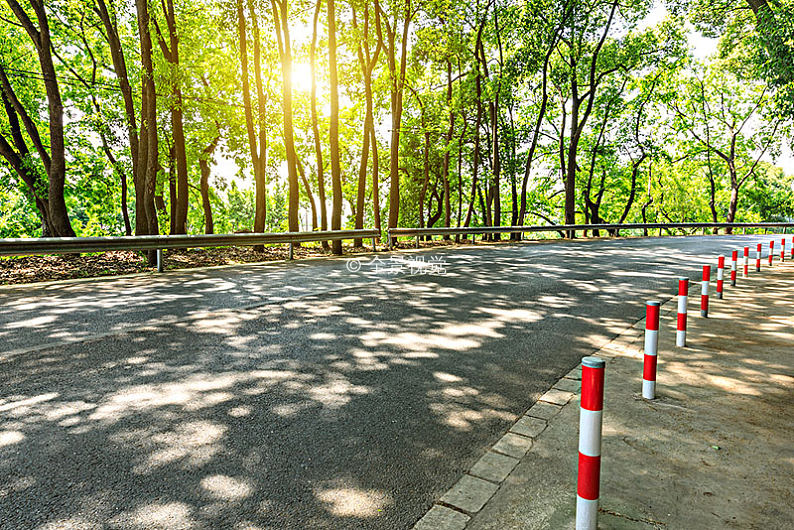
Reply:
x=394, y=233
x=77, y=245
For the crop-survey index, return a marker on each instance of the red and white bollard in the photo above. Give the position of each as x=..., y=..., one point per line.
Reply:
x=590, y=411
x=771, y=251
x=651, y=348
x=720, y=275
x=782, y=250
x=758, y=252
x=704, y=291
x=792, y=248
x=683, y=294
x=746, y=271
x=734, y=259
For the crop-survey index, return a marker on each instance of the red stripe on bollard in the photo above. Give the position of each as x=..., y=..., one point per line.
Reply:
x=589, y=473
x=704, y=292
x=594, y=381
x=649, y=368
x=734, y=259
x=589, y=477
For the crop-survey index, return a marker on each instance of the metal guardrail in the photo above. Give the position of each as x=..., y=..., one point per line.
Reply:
x=395, y=233
x=76, y=245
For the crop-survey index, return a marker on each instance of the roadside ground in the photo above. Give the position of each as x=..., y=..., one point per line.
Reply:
x=714, y=450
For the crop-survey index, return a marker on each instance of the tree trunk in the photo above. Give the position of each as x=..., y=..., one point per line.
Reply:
x=120, y=67
x=397, y=79
x=336, y=170
x=204, y=165
x=318, y=150
x=171, y=54
x=285, y=53
x=148, y=152
x=258, y=153
x=307, y=187
x=448, y=144
x=55, y=159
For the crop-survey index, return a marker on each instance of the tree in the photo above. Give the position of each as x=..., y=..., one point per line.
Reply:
x=56, y=219
x=727, y=118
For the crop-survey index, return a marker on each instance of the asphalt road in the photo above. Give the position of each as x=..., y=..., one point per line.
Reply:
x=299, y=395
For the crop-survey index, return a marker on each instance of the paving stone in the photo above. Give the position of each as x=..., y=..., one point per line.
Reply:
x=493, y=466
x=542, y=410
x=442, y=518
x=558, y=397
x=512, y=444
x=568, y=385
x=575, y=374
x=470, y=494
x=528, y=426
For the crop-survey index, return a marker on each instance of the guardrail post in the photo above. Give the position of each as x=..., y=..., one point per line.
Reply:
x=291, y=251
x=591, y=408
x=374, y=244
x=160, y=260
x=417, y=241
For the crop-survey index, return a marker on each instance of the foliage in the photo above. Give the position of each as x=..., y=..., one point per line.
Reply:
x=506, y=108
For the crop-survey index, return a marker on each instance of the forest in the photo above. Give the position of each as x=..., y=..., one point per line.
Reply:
x=124, y=117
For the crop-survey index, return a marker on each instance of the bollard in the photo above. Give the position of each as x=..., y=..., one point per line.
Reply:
x=771, y=251
x=160, y=260
x=683, y=294
x=792, y=248
x=782, y=250
x=651, y=348
x=590, y=412
x=746, y=270
x=704, y=291
x=734, y=258
x=758, y=258
x=720, y=274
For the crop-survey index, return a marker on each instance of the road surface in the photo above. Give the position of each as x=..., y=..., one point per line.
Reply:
x=300, y=395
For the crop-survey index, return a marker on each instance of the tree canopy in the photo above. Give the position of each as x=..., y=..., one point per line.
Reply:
x=188, y=116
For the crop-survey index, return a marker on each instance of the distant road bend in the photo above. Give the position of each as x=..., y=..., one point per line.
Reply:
x=300, y=395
